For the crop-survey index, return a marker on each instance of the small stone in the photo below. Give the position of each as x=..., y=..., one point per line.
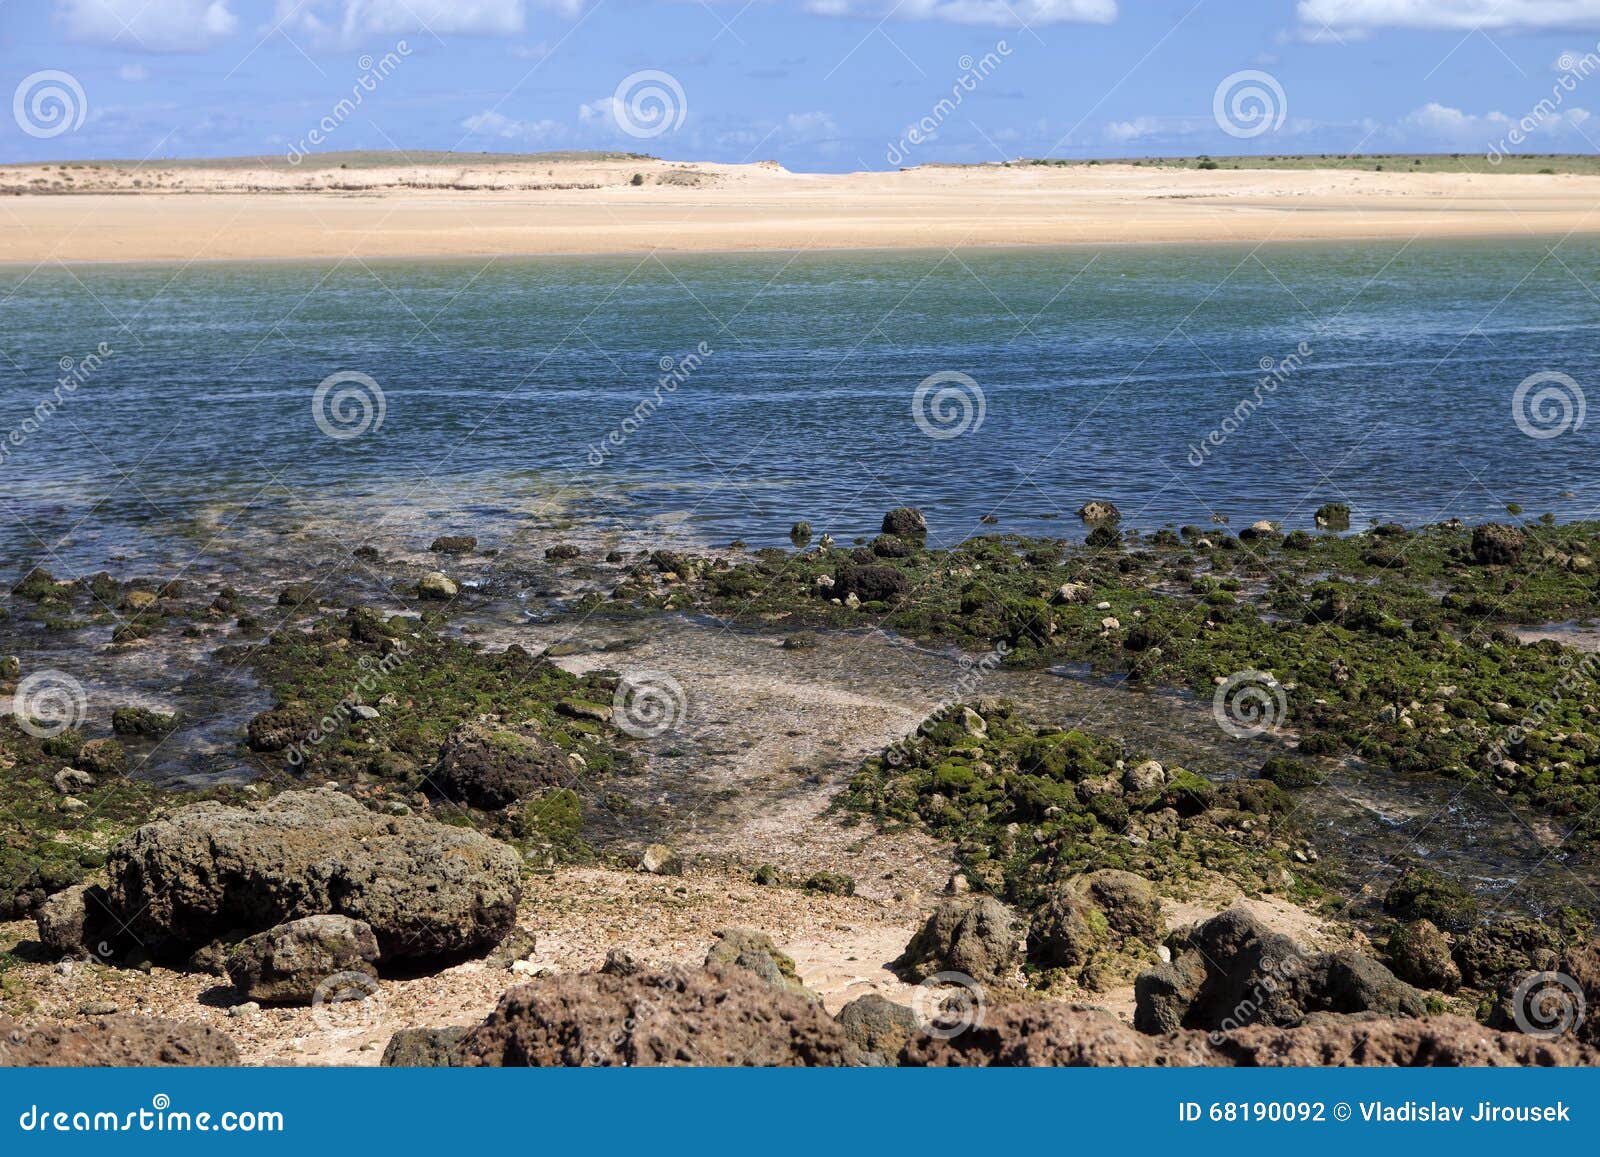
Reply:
x=1110, y=623
x=70, y=779
x=973, y=723
x=98, y=1008
x=660, y=860
x=73, y=804
x=1099, y=512
x=362, y=711
x=437, y=585
x=1072, y=593
x=248, y=1008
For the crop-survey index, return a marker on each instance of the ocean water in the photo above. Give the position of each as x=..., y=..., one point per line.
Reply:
x=725, y=396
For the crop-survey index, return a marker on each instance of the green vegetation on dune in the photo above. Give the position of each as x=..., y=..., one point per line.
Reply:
x=1478, y=162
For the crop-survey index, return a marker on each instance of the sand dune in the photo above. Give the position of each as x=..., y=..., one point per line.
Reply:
x=191, y=211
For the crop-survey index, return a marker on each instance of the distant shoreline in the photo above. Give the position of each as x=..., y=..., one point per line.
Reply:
x=619, y=205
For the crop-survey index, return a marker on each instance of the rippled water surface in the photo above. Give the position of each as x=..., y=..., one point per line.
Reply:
x=1100, y=370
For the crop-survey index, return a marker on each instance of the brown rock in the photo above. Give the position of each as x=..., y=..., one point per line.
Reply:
x=115, y=1041
x=714, y=1016
x=1060, y=1034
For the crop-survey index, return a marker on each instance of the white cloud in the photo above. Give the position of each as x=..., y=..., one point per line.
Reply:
x=598, y=110
x=148, y=25
x=810, y=126
x=328, y=23
x=1461, y=15
x=492, y=123
x=1443, y=125
x=133, y=73
x=1004, y=13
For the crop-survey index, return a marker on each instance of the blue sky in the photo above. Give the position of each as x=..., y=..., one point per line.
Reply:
x=816, y=84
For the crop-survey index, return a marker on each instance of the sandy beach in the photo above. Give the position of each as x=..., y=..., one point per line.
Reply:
x=88, y=212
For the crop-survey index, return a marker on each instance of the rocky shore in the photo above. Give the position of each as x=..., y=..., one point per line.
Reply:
x=462, y=842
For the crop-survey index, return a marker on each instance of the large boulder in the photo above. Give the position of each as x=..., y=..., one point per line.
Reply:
x=714, y=1016
x=115, y=1041
x=1039, y=1033
x=1230, y=971
x=287, y=964
x=976, y=937
x=426, y=889
x=488, y=767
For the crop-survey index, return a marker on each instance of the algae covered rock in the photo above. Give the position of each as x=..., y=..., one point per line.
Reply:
x=905, y=522
x=870, y=583
x=976, y=937
x=1494, y=544
x=488, y=767
x=427, y=890
x=755, y=952
x=1420, y=954
x=877, y=1025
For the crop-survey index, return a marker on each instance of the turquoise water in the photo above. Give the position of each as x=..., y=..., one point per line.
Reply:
x=1100, y=373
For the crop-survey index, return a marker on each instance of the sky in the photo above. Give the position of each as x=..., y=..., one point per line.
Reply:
x=818, y=85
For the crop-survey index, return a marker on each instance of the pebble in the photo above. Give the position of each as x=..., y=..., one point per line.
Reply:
x=98, y=1008
x=362, y=711
x=248, y=1008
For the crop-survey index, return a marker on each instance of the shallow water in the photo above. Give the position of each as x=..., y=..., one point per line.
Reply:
x=1100, y=370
